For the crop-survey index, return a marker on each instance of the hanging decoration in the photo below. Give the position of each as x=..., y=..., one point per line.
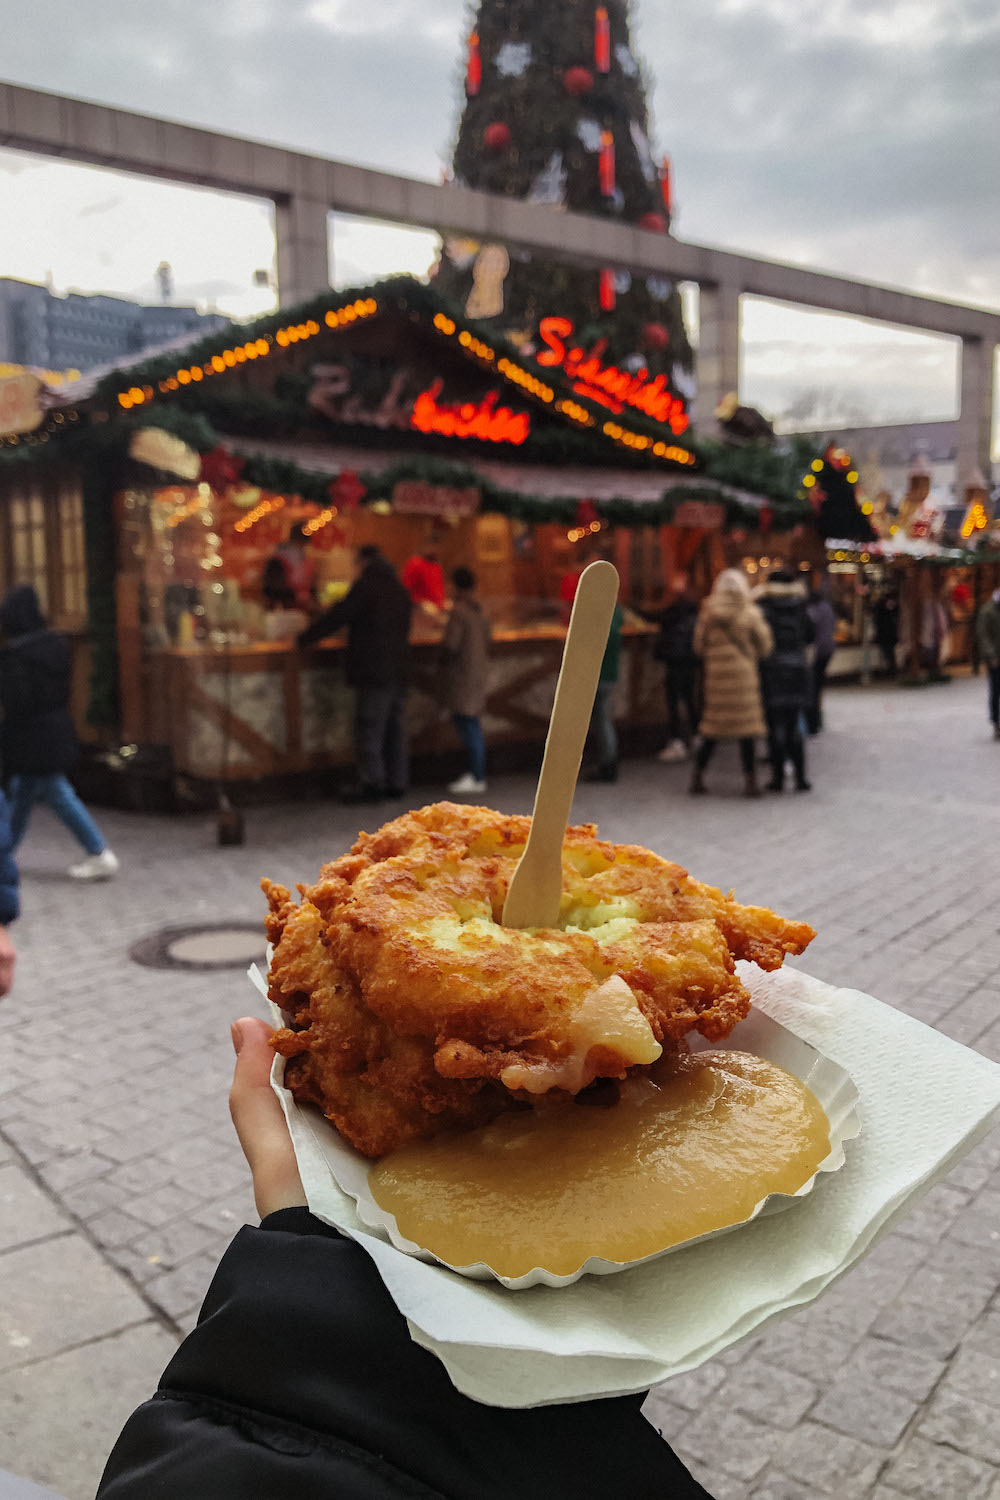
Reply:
x=513, y=59
x=606, y=291
x=578, y=81
x=220, y=468
x=488, y=277
x=590, y=134
x=550, y=184
x=766, y=519
x=666, y=186
x=602, y=40
x=497, y=136
x=607, y=164
x=659, y=288
x=656, y=335
x=626, y=61
x=653, y=222
x=245, y=497
x=640, y=141
x=473, y=67
x=347, y=491
x=623, y=282
x=461, y=252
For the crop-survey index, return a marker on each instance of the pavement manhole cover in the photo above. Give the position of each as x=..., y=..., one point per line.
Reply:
x=207, y=945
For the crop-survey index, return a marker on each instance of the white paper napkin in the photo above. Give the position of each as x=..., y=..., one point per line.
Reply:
x=925, y=1101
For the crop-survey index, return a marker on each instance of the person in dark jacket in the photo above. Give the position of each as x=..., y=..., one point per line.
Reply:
x=290, y=575
x=301, y=1379
x=675, y=648
x=465, y=650
x=886, y=619
x=10, y=903
x=37, y=740
x=824, y=621
x=784, y=676
x=376, y=613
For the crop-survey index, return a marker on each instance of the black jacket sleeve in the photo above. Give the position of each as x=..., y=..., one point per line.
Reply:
x=335, y=618
x=301, y=1381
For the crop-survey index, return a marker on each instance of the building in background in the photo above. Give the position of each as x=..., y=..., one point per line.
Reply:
x=80, y=332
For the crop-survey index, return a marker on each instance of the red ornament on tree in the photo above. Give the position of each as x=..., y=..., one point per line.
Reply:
x=497, y=137
x=578, y=81
x=656, y=335
x=654, y=222
x=346, y=491
x=586, y=515
x=666, y=186
x=220, y=468
x=606, y=291
x=602, y=40
x=474, y=67
x=765, y=519
x=607, y=164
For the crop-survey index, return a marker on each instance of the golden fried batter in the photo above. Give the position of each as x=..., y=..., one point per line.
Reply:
x=415, y=1012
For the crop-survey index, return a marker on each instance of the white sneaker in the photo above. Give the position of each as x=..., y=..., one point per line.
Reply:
x=676, y=750
x=96, y=866
x=467, y=786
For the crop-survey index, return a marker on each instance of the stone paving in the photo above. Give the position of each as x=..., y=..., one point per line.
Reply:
x=121, y=1182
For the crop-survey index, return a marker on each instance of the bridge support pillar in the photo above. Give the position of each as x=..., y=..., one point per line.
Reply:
x=974, y=430
x=302, y=234
x=717, y=368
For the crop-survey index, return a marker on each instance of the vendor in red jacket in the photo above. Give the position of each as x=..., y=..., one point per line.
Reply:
x=301, y=1380
x=423, y=576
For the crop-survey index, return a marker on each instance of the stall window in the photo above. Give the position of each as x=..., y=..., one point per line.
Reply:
x=72, y=554
x=42, y=543
x=28, y=550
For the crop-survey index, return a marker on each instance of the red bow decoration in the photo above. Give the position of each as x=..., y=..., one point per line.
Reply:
x=586, y=514
x=346, y=491
x=220, y=468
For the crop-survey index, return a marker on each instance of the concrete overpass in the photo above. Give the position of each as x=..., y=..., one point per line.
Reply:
x=306, y=188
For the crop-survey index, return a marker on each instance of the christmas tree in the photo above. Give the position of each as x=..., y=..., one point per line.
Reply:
x=556, y=113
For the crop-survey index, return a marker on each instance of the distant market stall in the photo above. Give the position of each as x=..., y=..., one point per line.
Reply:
x=380, y=416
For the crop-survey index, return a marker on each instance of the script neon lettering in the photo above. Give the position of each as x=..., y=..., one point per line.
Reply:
x=487, y=421
x=612, y=387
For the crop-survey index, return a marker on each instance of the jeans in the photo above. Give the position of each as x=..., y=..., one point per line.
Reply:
x=784, y=733
x=380, y=740
x=681, y=686
x=994, y=676
x=470, y=732
x=814, y=713
x=602, y=727
x=748, y=754
x=56, y=792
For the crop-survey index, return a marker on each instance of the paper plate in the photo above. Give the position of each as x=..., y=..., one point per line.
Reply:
x=326, y=1161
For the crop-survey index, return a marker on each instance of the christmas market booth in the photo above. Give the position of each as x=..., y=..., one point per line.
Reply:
x=375, y=416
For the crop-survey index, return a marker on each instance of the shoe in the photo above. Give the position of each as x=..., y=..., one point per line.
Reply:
x=95, y=867
x=467, y=786
x=697, y=787
x=996, y=731
x=674, y=751
x=774, y=785
x=750, y=787
x=354, y=796
x=802, y=785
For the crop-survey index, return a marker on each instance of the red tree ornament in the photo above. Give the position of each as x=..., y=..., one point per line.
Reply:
x=346, y=491
x=654, y=222
x=578, y=81
x=602, y=40
x=606, y=162
x=474, y=67
x=586, y=515
x=656, y=335
x=666, y=186
x=765, y=519
x=606, y=291
x=497, y=137
x=220, y=468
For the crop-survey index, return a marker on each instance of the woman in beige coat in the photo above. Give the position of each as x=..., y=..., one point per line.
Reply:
x=731, y=637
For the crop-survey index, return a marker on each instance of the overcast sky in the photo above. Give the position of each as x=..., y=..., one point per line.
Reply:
x=853, y=135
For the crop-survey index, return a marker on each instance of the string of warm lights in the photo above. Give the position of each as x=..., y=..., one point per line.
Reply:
x=318, y=522
x=264, y=508
x=32, y=439
x=578, y=533
x=240, y=354
x=640, y=443
x=576, y=413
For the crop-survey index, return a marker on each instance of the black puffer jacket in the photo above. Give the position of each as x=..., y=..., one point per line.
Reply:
x=301, y=1382
x=377, y=613
x=37, y=737
x=784, y=675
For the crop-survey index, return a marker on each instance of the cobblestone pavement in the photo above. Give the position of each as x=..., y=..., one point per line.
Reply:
x=121, y=1181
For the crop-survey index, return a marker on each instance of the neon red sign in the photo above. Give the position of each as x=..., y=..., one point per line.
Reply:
x=487, y=421
x=612, y=387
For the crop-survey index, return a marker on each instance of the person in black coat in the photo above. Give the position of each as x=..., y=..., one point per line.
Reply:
x=785, y=679
x=675, y=648
x=37, y=739
x=376, y=612
x=301, y=1380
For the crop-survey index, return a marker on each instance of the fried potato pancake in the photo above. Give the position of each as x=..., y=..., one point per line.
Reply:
x=413, y=1011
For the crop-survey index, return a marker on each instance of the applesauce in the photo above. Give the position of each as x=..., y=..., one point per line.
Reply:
x=690, y=1147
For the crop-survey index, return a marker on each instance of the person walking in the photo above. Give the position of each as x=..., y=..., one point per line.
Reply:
x=376, y=612
x=824, y=622
x=731, y=636
x=886, y=621
x=988, y=634
x=37, y=739
x=465, y=648
x=675, y=648
x=785, y=677
x=602, y=735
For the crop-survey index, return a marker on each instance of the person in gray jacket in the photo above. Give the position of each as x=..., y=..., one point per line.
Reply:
x=466, y=648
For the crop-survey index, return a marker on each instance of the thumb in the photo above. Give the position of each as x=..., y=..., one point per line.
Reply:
x=260, y=1121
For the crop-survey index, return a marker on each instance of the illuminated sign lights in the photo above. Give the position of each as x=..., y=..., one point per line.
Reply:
x=294, y=333
x=487, y=421
x=612, y=387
